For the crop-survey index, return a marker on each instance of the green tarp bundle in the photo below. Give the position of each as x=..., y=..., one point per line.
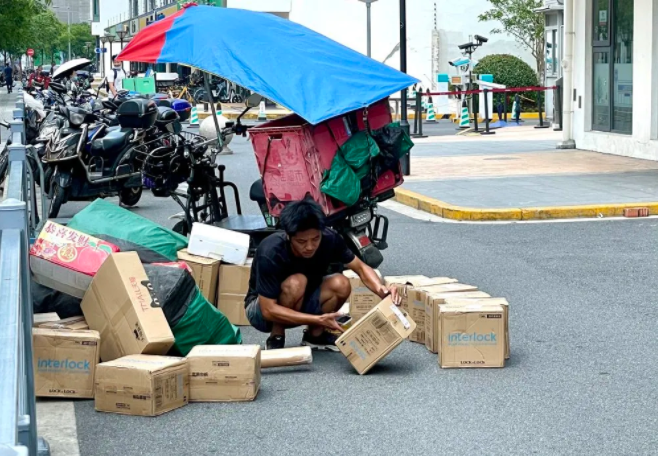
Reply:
x=128, y=231
x=363, y=154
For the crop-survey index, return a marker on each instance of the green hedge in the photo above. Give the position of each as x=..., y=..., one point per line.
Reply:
x=512, y=72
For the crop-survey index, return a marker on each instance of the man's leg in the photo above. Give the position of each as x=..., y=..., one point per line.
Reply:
x=334, y=291
x=292, y=297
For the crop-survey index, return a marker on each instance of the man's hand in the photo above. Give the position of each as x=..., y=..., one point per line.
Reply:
x=391, y=291
x=328, y=321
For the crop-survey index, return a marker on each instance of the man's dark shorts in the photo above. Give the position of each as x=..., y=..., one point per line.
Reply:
x=310, y=306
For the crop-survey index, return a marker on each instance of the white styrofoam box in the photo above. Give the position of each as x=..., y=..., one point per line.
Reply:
x=214, y=242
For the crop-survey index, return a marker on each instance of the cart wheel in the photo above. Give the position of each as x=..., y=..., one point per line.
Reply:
x=181, y=228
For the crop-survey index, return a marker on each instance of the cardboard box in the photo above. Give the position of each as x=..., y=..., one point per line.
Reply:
x=361, y=299
x=119, y=304
x=224, y=373
x=435, y=298
x=375, y=335
x=413, y=302
x=41, y=318
x=142, y=385
x=234, y=279
x=218, y=243
x=459, y=301
x=72, y=324
x=66, y=260
x=232, y=306
x=205, y=272
x=64, y=362
x=472, y=335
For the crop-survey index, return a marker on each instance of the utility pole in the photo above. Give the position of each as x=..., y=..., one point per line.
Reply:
x=368, y=3
x=404, y=123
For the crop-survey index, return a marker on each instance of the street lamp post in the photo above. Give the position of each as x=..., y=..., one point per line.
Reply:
x=368, y=3
x=102, y=57
x=110, y=38
x=121, y=33
x=404, y=123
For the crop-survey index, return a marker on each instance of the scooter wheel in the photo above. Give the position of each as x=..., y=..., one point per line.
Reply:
x=58, y=196
x=129, y=196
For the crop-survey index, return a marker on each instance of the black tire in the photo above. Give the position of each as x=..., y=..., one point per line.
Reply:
x=129, y=196
x=4, y=166
x=181, y=228
x=58, y=197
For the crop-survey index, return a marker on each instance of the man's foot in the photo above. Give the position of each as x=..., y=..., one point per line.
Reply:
x=325, y=341
x=275, y=342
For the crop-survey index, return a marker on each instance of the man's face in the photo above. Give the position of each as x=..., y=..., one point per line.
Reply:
x=305, y=243
x=117, y=63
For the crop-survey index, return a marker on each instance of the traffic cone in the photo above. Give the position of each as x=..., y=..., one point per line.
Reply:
x=194, y=118
x=464, y=121
x=431, y=115
x=262, y=117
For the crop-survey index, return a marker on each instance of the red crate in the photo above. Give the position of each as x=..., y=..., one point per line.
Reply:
x=293, y=155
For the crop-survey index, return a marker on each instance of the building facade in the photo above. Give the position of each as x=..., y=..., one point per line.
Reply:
x=610, y=66
x=77, y=10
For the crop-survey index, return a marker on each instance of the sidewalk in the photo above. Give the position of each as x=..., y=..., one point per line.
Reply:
x=519, y=175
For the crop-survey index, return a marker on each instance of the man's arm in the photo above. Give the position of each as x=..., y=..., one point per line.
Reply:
x=371, y=280
x=112, y=89
x=274, y=312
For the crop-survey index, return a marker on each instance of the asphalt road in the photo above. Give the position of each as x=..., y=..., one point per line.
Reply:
x=581, y=379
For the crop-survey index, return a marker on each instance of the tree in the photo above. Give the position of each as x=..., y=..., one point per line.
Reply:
x=512, y=72
x=80, y=34
x=45, y=33
x=519, y=19
x=15, y=20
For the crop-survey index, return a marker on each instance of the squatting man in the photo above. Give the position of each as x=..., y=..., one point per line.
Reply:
x=289, y=285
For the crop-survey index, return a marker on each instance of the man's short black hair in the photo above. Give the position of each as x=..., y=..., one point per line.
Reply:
x=301, y=216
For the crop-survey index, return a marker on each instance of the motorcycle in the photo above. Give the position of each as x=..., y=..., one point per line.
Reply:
x=91, y=159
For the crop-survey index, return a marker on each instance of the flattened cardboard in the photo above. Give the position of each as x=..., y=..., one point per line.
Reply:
x=361, y=299
x=472, y=336
x=375, y=335
x=433, y=299
x=64, y=362
x=234, y=279
x=232, y=306
x=142, y=385
x=120, y=306
x=72, y=324
x=458, y=301
x=205, y=272
x=42, y=318
x=218, y=243
x=224, y=373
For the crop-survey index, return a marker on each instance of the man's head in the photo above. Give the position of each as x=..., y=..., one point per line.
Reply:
x=115, y=62
x=303, y=222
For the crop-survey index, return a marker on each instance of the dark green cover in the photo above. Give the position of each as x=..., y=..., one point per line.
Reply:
x=203, y=324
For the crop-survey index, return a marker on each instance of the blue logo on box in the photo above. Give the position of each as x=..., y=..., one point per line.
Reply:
x=472, y=339
x=62, y=365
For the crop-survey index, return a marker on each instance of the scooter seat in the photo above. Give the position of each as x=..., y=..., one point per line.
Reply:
x=111, y=142
x=256, y=192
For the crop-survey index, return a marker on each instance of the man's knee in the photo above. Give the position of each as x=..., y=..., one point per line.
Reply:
x=339, y=286
x=294, y=287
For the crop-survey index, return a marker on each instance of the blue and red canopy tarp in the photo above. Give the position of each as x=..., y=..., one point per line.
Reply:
x=288, y=63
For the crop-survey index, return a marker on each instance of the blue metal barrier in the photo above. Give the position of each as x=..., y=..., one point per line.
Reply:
x=18, y=419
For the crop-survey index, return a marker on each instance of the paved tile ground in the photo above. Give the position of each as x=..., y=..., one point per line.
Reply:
x=522, y=168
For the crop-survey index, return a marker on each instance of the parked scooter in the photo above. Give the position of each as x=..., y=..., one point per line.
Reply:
x=92, y=160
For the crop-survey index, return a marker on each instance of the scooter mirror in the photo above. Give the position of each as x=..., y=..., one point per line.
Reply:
x=253, y=101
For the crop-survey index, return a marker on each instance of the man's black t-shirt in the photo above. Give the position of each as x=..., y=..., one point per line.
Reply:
x=275, y=262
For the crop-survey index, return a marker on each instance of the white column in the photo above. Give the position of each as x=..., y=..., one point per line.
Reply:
x=567, y=70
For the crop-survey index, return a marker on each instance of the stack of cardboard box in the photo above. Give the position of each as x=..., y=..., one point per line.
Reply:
x=464, y=326
x=233, y=288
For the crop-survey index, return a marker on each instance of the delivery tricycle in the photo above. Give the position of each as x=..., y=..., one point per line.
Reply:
x=339, y=147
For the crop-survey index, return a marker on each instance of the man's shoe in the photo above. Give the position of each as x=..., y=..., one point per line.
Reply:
x=275, y=342
x=325, y=341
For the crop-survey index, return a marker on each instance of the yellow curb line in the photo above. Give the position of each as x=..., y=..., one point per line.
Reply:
x=449, y=211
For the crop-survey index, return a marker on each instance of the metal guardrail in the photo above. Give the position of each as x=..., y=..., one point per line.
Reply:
x=18, y=419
